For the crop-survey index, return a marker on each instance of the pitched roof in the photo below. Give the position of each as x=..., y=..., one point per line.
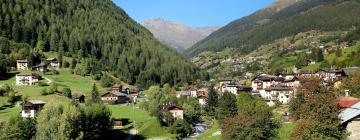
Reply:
x=169, y=106
x=21, y=61
x=116, y=86
x=351, y=70
x=350, y=113
x=42, y=64
x=329, y=70
x=347, y=101
x=34, y=102
x=279, y=88
x=120, y=94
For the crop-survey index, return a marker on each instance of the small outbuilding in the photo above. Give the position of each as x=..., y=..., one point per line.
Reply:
x=31, y=108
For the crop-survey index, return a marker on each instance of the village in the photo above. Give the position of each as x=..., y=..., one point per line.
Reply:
x=276, y=90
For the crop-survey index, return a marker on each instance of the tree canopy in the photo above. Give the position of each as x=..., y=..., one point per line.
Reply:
x=98, y=34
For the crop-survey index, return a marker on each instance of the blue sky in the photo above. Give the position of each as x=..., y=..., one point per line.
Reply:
x=197, y=13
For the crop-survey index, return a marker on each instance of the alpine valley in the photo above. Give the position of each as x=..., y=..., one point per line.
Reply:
x=286, y=36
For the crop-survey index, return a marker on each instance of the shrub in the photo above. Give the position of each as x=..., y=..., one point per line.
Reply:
x=181, y=128
x=55, y=72
x=44, y=92
x=42, y=84
x=106, y=81
x=66, y=64
x=11, y=97
x=52, y=89
x=67, y=92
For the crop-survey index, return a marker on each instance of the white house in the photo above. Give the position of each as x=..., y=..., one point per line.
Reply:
x=202, y=100
x=235, y=89
x=26, y=79
x=193, y=92
x=223, y=84
x=54, y=62
x=43, y=67
x=332, y=75
x=22, y=64
x=261, y=82
x=182, y=93
x=176, y=112
x=31, y=108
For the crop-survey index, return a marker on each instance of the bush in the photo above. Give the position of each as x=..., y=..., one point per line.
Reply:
x=42, y=84
x=181, y=128
x=106, y=81
x=11, y=97
x=53, y=88
x=44, y=92
x=55, y=72
x=97, y=77
x=66, y=64
x=66, y=92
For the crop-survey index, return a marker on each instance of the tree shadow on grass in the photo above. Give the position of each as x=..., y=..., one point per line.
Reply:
x=8, y=75
x=121, y=134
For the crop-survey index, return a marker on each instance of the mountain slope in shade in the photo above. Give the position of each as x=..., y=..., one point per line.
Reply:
x=281, y=19
x=99, y=35
x=175, y=35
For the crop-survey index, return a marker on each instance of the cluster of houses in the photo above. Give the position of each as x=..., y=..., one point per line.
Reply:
x=200, y=94
x=32, y=78
x=120, y=95
x=227, y=85
x=282, y=87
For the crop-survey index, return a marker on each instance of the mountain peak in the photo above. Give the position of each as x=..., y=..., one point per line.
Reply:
x=176, y=35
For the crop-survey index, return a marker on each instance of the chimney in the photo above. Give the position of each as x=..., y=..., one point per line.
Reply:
x=346, y=92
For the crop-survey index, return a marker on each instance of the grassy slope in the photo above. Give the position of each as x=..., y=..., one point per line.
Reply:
x=285, y=131
x=344, y=58
x=76, y=83
x=147, y=126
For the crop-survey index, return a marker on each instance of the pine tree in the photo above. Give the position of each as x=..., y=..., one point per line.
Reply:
x=211, y=102
x=95, y=98
x=227, y=106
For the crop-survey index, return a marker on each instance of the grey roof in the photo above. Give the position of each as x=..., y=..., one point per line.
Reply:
x=350, y=113
x=37, y=102
x=351, y=70
x=183, y=92
x=120, y=94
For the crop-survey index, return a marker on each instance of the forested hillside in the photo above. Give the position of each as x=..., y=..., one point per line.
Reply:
x=267, y=25
x=96, y=33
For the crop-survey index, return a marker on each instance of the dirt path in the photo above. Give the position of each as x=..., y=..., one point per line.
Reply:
x=47, y=79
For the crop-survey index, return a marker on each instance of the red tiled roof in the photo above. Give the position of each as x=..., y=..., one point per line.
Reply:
x=348, y=103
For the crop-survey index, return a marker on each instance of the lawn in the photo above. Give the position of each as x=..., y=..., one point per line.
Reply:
x=77, y=84
x=208, y=134
x=7, y=112
x=147, y=126
x=285, y=131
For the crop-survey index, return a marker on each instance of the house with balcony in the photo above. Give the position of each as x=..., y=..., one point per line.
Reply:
x=27, y=79
x=31, y=108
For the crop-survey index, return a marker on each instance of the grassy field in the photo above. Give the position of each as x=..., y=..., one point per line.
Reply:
x=147, y=126
x=76, y=83
x=208, y=134
x=285, y=131
x=6, y=113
